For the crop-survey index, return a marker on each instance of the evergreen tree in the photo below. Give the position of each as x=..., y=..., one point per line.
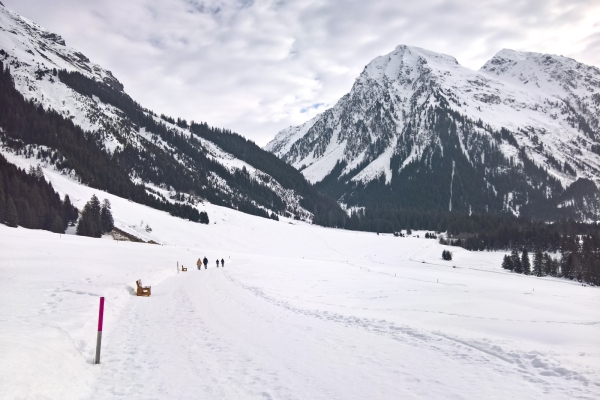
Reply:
x=547, y=266
x=70, y=212
x=12, y=217
x=57, y=225
x=95, y=207
x=516, y=261
x=96, y=219
x=507, y=263
x=538, y=263
x=447, y=255
x=106, y=219
x=570, y=257
x=89, y=223
x=26, y=219
x=525, y=263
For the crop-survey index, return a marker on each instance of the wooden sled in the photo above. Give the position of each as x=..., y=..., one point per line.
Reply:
x=142, y=290
x=183, y=268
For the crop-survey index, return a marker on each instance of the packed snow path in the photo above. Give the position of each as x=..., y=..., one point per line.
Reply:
x=222, y=338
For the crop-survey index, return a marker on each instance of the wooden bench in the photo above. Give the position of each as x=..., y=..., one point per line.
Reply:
x=183, y=268
x=142, y=290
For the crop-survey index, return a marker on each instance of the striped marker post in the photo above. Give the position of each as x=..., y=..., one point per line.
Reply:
x=99, y=339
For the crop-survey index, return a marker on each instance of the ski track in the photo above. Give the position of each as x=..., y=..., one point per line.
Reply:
x=221, y=344
x=531, y=366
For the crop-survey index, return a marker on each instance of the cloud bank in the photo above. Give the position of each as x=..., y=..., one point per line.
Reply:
x=257, y=66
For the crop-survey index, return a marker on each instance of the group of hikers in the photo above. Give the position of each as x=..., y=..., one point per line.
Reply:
x=205, y=262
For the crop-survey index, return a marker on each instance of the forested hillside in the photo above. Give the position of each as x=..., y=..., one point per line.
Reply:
x=89, y=127
x=108, y=140
x=27, y=200
x=418, y=132
x=32, y=131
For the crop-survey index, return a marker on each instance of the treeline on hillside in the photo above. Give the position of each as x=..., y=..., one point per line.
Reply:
x=424, y=183
x=475, y=232
x=579, y=260
x=507, y=233
x=324, y=208
x=27, y=200
x=154, y=165
x=25, y=123
x=387, y=219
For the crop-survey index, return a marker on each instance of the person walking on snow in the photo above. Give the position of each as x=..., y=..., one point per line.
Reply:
x=222, y=263
x=217, y=263
x=199, y=264
x=205, y=263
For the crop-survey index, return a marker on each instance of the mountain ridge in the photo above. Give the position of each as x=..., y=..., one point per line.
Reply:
x=387, y=121
x=173, y=160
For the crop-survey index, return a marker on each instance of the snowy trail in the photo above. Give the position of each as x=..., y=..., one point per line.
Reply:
x=224, y=338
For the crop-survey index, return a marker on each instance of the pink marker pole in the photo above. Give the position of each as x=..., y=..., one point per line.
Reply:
x=99, y=339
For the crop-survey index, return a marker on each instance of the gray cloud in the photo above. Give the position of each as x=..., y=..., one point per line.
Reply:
x=259, y=66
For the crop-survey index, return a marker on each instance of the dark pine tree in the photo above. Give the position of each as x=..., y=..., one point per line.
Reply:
x=516, y=260
x=525, y=263
x=538, y=263
x=12, y=217
x=89, y=223
x=106, y=219
x=70, y=212
x=507, y=263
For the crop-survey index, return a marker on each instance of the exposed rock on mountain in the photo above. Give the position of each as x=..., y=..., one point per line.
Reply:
x=115, y=144
x=420, y=131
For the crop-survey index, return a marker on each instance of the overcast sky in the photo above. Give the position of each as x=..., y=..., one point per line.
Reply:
x=259, y=66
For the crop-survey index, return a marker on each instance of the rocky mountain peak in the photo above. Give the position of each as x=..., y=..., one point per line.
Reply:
x=412, y=106
x=29, y=46
x=405, y=62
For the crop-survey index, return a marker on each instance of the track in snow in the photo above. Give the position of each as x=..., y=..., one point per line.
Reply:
x=207, y=334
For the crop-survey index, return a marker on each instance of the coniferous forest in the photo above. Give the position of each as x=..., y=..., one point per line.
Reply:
x=153, y=165
x=27, y=125
x=27, y=200
x=579, y=260
x=96, y=218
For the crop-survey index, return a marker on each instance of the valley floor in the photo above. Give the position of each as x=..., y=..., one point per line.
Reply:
x=298, y=312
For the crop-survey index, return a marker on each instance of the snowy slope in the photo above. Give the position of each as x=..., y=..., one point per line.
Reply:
x=298, y=312
x=549, y=105
x=33, y=54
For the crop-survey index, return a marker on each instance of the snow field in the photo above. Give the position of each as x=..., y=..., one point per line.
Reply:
x=298, y=312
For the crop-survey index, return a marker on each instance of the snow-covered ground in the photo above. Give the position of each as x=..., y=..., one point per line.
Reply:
x=298, y=312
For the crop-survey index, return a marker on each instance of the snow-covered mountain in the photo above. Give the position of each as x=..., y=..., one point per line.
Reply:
x=418, y=130
x=175, y=161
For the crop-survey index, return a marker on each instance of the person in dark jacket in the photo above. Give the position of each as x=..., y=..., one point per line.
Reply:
x=205, y=262
x=222, y=263
x=217, y=263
